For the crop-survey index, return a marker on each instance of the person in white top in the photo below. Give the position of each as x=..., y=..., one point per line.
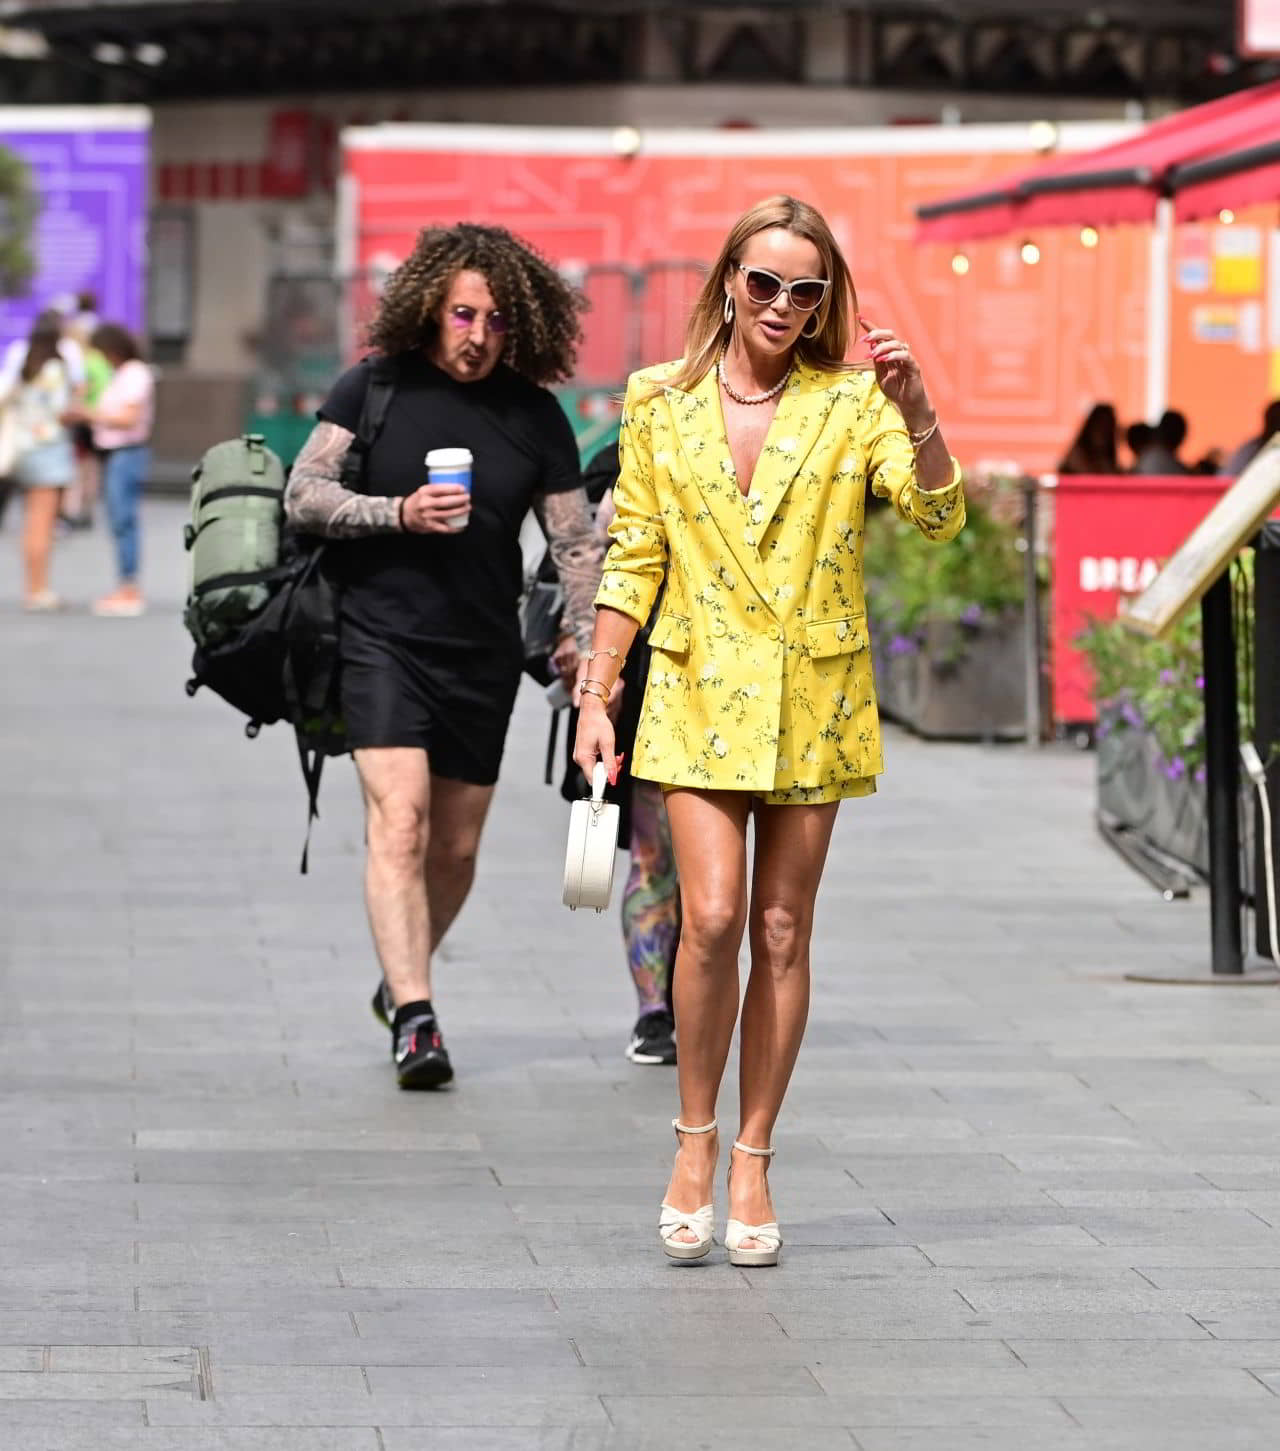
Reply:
x=38, y=395
x=121, y=422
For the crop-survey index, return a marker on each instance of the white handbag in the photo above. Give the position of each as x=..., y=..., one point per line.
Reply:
x=593, y=845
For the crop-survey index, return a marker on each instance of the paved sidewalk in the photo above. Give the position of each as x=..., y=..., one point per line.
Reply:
x=1027, y=1205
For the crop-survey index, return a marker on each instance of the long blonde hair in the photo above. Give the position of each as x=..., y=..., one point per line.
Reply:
x=708, y=333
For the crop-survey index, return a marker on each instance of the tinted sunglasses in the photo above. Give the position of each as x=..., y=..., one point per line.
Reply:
x=804, y=294
x=463, y=317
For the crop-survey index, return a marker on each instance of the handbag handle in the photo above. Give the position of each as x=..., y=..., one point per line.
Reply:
x=599, y=776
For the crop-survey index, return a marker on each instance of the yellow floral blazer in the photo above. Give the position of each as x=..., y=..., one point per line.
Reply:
x=761, y=676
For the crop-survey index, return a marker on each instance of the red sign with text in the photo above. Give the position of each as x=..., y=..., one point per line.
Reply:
x=1111, y=535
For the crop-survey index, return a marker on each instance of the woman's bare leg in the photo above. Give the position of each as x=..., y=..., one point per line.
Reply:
x=709, y=835
x=791, y=849
x=39, y=521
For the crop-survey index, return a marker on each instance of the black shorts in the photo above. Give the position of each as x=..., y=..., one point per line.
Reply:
x=454, y=703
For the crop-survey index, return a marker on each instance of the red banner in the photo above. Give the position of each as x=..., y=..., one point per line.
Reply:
x=288, y=168
x=1111, y=535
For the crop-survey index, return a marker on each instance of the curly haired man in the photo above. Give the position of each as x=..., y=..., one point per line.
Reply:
x=472, y=326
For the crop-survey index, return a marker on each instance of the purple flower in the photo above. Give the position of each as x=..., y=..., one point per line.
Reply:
x=972, y=615
x=1176, y=769
x=1199, y=682
x=1199, y=776
x=1167, y=677
x=1130, y=713
x=902, y=645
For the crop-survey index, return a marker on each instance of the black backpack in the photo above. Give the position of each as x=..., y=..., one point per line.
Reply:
x=282, y=661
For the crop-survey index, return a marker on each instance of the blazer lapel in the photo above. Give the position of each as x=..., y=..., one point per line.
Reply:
x=699, y=425
x=796, y=427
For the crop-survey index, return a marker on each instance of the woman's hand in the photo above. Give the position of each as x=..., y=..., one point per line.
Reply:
x=898, y=374
x=595, y=739
x=428, y=509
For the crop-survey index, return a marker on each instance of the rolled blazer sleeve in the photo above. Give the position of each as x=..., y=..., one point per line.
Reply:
x=637, y=558
x=891, y=466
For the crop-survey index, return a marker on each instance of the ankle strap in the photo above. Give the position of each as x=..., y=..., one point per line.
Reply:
x=759, y=1153
x=685, y=1128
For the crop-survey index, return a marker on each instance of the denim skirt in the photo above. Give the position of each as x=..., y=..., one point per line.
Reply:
x=47, y=466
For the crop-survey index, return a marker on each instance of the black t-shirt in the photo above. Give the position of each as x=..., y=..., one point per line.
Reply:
x=458, y=589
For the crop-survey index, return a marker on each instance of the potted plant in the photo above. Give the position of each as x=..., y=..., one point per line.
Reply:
x=1150, y=734
x=947, y=621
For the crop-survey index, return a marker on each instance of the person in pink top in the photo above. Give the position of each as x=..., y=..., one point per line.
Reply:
x=121, y=424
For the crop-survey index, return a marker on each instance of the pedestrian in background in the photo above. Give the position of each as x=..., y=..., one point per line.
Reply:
x=472, y=327
x=121, y=423
x=1160, y=456
x=743, y=473
x=1093, y=450
x=39, y=396
x=80, y=328
x=1138, y=437
x=1242, y=457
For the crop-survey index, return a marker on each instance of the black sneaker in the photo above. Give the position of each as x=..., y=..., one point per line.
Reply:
x=383, y=1008
x=653, y=1040
x=418, y=1051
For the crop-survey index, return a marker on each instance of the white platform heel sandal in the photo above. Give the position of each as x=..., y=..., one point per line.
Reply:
x=768, y=1237
x=699, y=1222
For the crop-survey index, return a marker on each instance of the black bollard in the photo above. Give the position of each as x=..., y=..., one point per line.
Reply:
x=1222, y=757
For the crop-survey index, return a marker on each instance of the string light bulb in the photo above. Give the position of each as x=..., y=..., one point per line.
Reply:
x=1226, y=216
x=1088, y=236
x=1030, y=253
x=1043, y=135
x=960, y=264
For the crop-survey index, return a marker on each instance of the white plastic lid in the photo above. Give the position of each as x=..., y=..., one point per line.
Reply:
x=446, y=458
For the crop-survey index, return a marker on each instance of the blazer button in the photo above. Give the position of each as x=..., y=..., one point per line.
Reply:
x=718, y=628
x=775, y=633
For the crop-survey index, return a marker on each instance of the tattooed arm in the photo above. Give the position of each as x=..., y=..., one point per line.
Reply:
x=317, y=502
x=578, y=555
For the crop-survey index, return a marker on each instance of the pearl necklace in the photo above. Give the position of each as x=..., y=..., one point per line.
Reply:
x=742, y=397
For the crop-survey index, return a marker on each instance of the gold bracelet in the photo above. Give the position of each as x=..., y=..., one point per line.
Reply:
x=602, y=692
x=612, y=652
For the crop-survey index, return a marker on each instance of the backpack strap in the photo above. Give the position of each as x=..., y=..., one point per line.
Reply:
x=553, y=740
x=383, y=376
x=312, y=761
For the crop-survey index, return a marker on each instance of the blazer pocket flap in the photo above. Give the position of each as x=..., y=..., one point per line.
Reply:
x=671, y=633
x=836, y=637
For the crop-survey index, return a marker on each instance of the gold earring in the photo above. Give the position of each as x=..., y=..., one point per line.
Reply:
x=805, y=331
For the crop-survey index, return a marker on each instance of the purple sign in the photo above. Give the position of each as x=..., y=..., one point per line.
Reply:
x=90, y=170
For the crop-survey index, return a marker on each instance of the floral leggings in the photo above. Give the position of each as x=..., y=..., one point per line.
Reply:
x=651, y=898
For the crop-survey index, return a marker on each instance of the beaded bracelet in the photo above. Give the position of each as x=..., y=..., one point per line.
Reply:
x=918, y=440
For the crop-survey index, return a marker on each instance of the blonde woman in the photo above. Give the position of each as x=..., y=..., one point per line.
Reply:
x=743, y=471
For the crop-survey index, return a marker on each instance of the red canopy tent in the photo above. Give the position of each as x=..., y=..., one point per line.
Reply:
x=1125, y=182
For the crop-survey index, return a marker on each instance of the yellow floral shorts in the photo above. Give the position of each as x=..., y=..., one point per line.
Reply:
x=818, y=795
x=807, y=795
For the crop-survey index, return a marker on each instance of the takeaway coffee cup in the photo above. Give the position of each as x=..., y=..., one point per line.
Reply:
x=451, y=466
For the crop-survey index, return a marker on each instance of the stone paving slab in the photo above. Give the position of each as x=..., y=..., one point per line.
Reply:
x=1028, y=1205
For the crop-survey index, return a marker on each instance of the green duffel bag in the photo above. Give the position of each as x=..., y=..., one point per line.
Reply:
x=237, y=516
